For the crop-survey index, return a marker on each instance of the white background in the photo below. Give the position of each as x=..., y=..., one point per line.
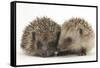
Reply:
x=5, y=35
x=27, y=12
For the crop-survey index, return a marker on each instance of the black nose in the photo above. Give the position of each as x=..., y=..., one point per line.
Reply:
x=47, y=54
x=44, y=54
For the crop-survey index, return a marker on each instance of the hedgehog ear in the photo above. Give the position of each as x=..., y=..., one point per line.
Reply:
x=33, y=35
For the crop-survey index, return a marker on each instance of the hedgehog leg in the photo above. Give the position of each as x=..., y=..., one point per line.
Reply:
x=82, y=52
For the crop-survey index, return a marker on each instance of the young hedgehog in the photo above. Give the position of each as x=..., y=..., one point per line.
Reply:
x=77, y=37
x=41, y=37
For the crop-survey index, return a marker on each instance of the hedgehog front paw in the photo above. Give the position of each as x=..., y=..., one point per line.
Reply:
x=82, y=52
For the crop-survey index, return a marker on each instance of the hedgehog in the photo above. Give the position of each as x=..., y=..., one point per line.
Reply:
x=40, y=37
x=77, y=37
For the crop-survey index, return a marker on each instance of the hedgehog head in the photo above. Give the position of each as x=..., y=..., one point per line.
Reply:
x=46, y=36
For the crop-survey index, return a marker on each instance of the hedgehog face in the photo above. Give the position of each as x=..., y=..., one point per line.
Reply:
x=70, y=39
x=45, y=44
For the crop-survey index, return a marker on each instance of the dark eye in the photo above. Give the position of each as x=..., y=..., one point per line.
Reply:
x=80, y=31
x=68, y=40
x=39, y=45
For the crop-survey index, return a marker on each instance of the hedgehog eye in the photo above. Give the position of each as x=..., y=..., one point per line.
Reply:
x=68, y=40
x=39, y=45
x=80, y=31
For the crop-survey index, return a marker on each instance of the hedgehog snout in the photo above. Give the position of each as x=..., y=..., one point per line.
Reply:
x=44, y=54
x=47, y=53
